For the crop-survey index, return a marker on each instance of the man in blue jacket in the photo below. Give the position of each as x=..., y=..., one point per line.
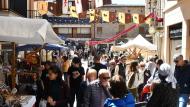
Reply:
x=182, y=75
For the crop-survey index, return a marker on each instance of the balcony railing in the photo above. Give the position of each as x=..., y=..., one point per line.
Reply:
x=77, y=35
x=67, y=20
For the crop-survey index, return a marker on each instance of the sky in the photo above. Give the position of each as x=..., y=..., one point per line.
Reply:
x=129, y=2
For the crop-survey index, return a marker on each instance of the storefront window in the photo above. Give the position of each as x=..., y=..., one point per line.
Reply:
x=175, y=31
x=175, y=34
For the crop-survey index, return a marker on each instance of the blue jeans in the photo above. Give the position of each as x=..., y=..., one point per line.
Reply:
x=183, y=100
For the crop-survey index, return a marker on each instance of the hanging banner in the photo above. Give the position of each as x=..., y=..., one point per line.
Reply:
x=108, y=16
x=65, y=7
x=105, y=15
x=73, y=12
x=137, y=18
x=100, y=3
x=42, y=7
x=82, y=15
x=92, y=13
x=124, y=18
x=112, y=16
x=81, y=5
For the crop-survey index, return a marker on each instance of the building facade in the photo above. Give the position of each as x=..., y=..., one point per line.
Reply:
x=177, y=29
x=156, y=7
x=80, y=29
x=101, y=31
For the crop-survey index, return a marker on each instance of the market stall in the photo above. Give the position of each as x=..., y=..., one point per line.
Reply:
x=18, y=30
x=141, y=43
x=120, y=47
x=27, y=31
x=137, y=46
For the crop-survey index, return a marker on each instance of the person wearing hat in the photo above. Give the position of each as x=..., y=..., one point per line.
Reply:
x=165, y=92
x=75, y=77
x=182, y=74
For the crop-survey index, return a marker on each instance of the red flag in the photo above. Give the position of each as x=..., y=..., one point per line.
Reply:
x=141, y=18
x=128, y=18
x=112, y=16
x=159, y=19
x=82, y=15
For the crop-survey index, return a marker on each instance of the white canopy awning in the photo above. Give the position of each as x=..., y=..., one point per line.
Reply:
x=120, y=47
x=139, y=43
x=27, y=31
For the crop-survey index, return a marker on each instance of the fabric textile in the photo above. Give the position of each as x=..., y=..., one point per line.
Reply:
x=127, y=101
x=95, y=95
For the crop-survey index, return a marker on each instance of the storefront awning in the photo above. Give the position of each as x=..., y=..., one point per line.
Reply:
x=27, y=31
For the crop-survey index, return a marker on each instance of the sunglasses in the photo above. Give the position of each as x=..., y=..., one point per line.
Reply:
x=106, y=78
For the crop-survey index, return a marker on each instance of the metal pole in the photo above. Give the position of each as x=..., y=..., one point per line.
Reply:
x=13, y=74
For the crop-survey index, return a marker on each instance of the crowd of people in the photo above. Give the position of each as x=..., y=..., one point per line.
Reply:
x=113, y=82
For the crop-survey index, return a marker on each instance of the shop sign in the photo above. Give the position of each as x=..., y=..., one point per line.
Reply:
x=175, y=31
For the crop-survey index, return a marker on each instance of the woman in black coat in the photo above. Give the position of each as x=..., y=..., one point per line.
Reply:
x=57, y=92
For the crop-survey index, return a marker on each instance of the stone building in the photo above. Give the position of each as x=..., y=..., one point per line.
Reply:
x=107, y=30
x=177, y=29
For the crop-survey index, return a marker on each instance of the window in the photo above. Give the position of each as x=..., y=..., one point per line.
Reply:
x=99, y=30
x=78, y=30
x=74, y=32
x=65, y=30
x=83, y=30
x=129, y=11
